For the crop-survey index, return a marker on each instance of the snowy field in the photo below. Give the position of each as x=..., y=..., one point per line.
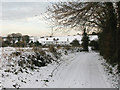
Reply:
x=74, y=70
x=63, y=38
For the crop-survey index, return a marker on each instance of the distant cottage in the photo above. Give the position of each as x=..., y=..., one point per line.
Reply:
x=60, y=40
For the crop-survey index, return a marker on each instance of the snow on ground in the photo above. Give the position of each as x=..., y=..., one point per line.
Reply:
x=83, y=71
x=75, y=70
x=63, y=38
x=0, y=68
x=26, y=79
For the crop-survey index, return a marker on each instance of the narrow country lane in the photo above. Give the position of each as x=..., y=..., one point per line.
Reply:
x=81, y=72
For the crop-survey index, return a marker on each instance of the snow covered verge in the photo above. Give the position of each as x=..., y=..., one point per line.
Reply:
x=44, y=68
x=111, y=72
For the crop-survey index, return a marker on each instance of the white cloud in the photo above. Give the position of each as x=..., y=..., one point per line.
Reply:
x=19, y=10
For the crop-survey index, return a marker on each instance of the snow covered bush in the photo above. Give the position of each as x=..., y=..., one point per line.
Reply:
x=21, y=60
x=55, y=52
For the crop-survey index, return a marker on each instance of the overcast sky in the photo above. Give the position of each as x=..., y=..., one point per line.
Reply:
x=26, y=18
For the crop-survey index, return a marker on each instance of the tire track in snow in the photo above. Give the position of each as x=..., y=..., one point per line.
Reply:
x=82, y=72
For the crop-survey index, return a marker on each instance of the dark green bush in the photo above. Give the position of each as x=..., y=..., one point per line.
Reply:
x=75, y=43
x=94, y=45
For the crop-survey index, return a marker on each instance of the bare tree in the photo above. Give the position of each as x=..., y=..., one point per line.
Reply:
x=77, y=14
x=100, y=15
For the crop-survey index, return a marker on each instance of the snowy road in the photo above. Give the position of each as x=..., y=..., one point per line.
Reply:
x=82, y=71
x=75, y=70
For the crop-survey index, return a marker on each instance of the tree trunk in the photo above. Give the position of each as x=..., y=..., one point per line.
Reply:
x=118, y=35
